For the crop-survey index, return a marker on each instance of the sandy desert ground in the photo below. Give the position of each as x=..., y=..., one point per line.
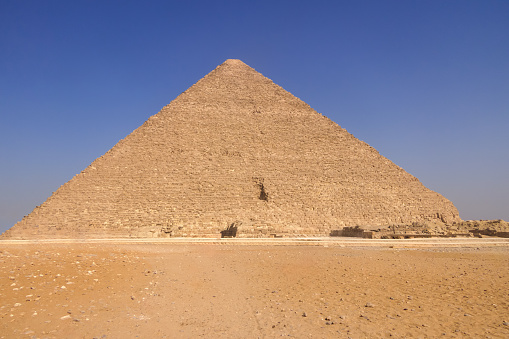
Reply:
x=233, y=290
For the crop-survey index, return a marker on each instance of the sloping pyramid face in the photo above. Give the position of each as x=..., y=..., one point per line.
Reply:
x=234, y=148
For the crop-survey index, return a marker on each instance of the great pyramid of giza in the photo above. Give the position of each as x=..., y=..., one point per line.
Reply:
x=234, y=149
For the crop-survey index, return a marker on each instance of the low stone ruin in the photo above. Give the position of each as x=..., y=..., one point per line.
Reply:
x=470, y=228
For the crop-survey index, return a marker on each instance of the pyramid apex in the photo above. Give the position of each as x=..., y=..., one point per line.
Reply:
x=234, y=62
x=234, y=65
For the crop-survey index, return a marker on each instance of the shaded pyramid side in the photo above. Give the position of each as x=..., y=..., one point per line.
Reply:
x=234, y=148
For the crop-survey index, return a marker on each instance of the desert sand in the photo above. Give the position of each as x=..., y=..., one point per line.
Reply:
x=237, y=290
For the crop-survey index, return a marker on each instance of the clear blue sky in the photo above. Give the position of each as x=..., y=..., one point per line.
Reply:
x=426, y=83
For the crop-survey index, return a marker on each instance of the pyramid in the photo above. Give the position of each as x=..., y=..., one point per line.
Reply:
x=234, y=153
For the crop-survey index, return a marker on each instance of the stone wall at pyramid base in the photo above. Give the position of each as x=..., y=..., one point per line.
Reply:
x=426, y=229
x=226, y=229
